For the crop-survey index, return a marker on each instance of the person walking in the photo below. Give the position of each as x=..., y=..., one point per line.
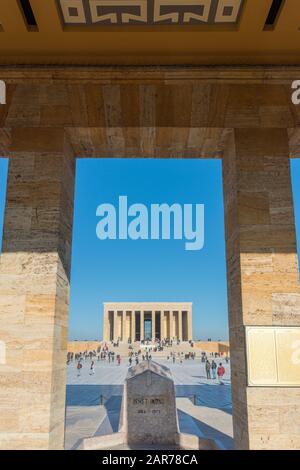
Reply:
x=92, y=368
x=79, y=367
x=214, y=370
x=221, y=372
x=207, y=368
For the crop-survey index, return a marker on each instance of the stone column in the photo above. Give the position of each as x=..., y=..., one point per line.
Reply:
x=180, y=325
x=175, y=323
x=189, y=325
x=133, y=337
x=142, y=325
x=171, y=324
x=106, y=325
x=153, y=323
x=116, y=325
x=34, y=294
x=162, y=325
x=124, y=338
x=262, y=277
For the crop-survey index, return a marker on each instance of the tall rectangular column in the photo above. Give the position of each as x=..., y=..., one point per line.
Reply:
x=171, y=324
x=162, y=325
x=106, y=325
x=153, y=324
x=189, y=325
x=116, y=328
x=34, y=297
x=133, y=337
x=123, y=320
x=180, y=325
x=142, y=325
x=263, y=282
x=167, y=324
x=175, y=323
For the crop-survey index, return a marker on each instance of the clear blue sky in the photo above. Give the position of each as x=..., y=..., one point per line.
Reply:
x=148, y=270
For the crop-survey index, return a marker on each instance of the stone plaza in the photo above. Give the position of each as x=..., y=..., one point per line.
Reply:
x=94, y=403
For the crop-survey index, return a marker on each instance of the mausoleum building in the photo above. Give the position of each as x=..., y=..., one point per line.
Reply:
x=147, y=321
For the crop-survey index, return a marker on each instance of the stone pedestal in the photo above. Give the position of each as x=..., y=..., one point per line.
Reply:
x=149, y=414
x=149, y=405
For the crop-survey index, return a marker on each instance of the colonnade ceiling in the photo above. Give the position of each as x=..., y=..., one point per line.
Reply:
x=156, y=32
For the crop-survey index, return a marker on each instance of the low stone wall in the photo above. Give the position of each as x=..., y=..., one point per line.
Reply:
x=81, y=346
x=221, y=347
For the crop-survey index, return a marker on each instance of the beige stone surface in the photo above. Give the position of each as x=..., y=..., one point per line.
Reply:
x=262, y=276
x=34, y=296
x=174, y=319
x=273, y=355
x=149, y=405
x=220, y=347
x=148, y=417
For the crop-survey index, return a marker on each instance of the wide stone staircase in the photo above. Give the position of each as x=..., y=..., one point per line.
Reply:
x=183, y=347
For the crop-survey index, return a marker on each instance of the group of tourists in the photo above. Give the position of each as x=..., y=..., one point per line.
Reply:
x=179, y=357
x=213, y=370
x=134, y=358
x=80, y=366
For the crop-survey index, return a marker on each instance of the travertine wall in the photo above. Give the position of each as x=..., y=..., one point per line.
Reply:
x=53, y=115
x=34, y=298
x=262, y=276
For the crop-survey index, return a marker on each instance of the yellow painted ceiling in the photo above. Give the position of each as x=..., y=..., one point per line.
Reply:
x=245, y=43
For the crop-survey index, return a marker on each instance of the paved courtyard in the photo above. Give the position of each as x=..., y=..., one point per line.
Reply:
x=94, y=401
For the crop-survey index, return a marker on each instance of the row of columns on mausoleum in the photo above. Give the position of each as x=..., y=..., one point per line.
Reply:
x=122, y=325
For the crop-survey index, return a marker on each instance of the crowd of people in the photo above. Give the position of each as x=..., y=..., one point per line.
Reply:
x=106, y=353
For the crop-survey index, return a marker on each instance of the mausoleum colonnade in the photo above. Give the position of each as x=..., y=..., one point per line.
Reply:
x=147, y=321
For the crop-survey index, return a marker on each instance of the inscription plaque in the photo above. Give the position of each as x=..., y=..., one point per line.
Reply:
x=273, y=356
